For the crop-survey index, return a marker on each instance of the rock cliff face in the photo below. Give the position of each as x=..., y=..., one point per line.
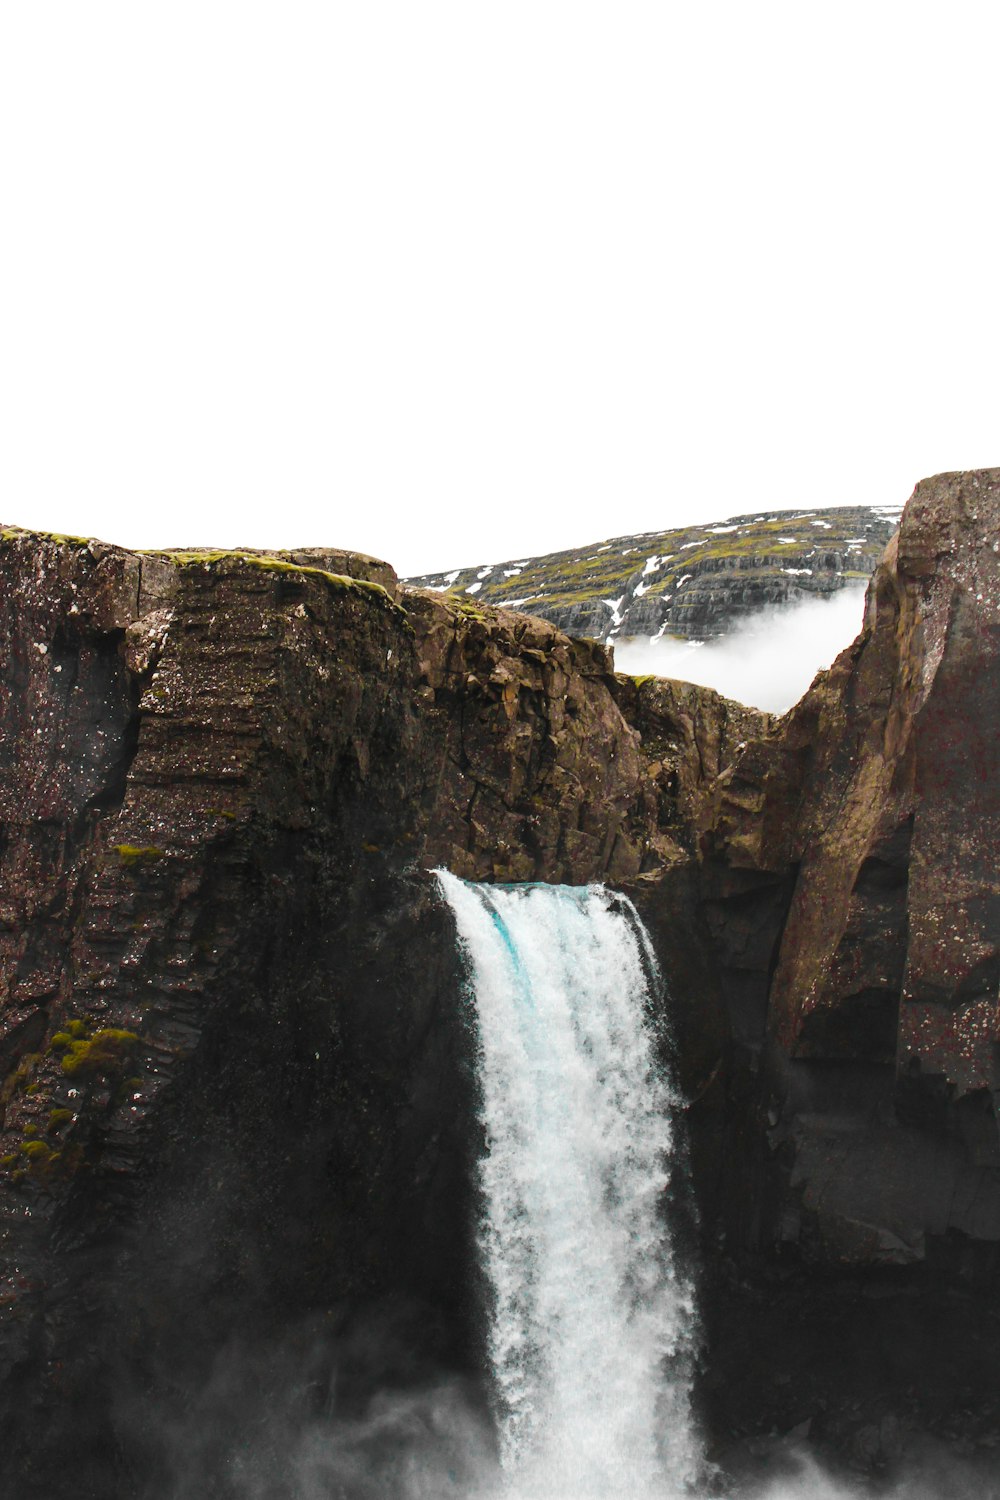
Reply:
x=694, y=582
x=236, y=1073
x=850, y=883
x=875, y=808
x=238, y=1107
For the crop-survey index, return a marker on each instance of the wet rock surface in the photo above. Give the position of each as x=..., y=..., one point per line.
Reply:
x=850, y=885
x=889, y=1385
x=874, y=807
x=238, y=1082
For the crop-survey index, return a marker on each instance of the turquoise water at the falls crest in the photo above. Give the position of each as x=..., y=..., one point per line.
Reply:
x=591, y=1318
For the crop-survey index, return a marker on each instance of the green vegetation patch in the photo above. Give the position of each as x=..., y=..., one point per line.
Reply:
x=20, y=1078
x=136, y=854
x=268, y=564
x=569, y=580
x=13, y=533
x=463, y=606
x=36, y=1150
x=106, y=1051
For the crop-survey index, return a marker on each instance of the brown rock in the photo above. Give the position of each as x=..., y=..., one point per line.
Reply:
x=876, y=801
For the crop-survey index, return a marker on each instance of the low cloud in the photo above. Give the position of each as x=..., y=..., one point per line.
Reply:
x=768, y=661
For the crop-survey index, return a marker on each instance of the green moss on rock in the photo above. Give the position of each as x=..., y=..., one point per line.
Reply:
x=106, y=1051
x=269, y=564
x=136, y=854
x=36, y=1150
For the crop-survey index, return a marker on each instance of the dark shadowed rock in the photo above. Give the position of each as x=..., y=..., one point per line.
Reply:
x=238, y=1099
x=875, y=808
x=238, y=1074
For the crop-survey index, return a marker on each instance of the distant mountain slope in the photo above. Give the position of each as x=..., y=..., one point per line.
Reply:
x=694, y=582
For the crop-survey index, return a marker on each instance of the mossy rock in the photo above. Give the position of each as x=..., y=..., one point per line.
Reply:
x=136, y=854
x=106, y=1052
x=64, y=538
x=19, y=1079
x=268, y=564
x=36, y=1151
x=73, y=1030
x=465, y=607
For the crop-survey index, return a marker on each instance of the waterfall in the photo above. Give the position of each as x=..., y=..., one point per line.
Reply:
x=591, y=1318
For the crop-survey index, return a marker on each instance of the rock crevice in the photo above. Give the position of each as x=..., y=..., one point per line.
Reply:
x=236, y=1069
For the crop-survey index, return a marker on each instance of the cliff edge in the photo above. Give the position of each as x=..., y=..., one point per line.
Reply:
x=236, y=1072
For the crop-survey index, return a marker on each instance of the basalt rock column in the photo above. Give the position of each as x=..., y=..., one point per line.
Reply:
x=876, y=803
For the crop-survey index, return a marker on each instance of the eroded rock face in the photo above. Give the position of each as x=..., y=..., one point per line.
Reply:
x=238, y=1078
x=871, y=818
x=695, y=582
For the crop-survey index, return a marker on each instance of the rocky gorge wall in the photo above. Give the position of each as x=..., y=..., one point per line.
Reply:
x=237, y=1092
x=876, y=807
x=849, y=879
x=238, y=1098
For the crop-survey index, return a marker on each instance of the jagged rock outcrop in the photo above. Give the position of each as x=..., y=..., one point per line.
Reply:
x=694, y=582
x=236, y=1072
x=855, y=889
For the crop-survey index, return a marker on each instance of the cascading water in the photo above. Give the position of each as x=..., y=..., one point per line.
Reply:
x=592, y=1319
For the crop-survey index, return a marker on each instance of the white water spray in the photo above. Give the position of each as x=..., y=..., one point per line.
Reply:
x=592, y=1320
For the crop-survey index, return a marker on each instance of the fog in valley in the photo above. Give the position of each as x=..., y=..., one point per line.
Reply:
x=768, y=661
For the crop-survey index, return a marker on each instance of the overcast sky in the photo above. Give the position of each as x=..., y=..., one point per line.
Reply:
x=455, y=282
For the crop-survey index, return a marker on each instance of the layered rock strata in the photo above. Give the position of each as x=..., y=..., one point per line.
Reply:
x=237, y=1075
x=693, y=582
x=853, y=882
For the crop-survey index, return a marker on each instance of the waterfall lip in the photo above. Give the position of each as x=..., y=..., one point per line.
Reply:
x=591, y=1315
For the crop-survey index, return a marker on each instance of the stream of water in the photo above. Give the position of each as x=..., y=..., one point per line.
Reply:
x=590, y=1317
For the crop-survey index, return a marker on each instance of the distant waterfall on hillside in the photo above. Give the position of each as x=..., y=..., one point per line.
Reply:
x=591, y=1320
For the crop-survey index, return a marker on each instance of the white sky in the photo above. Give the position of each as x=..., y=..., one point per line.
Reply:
x=457, y=282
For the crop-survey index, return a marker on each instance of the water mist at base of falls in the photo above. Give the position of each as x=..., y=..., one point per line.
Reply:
x=587, y=1308
x=591, y=1319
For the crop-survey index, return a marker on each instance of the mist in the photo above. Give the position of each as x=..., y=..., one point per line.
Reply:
x=768, y=661
x=274, y=1424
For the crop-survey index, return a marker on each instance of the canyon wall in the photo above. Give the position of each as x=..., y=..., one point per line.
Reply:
x=849, y=879
x=239, y=1095
x=875, y=809
x=238, y=1080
